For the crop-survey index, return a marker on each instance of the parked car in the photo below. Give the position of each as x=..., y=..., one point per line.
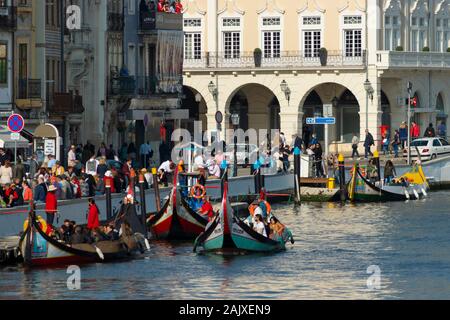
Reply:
x=429, y=148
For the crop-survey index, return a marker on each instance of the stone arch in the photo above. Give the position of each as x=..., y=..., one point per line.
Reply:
x=260, y=98
x=441, y=115
x=197, y=109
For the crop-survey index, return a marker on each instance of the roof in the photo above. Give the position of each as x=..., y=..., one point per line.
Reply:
x=6, y=142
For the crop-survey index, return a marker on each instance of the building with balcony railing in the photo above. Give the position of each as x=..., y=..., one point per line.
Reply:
x=8, y=17
x=151, y=77
x=277, y=63
x=8, y=23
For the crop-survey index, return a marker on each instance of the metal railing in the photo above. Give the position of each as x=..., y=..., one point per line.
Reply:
x=400, y=59
x=29, y=89
x=8, y=17
x=284, y=59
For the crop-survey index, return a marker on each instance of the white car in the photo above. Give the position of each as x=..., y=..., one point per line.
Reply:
x=429, y=148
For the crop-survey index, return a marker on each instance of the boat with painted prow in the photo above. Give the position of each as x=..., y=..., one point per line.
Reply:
x=40, y=249
x=411, y=186
x=227, y=234
x=176, y=220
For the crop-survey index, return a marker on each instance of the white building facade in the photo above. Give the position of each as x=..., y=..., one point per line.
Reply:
x=387, y=42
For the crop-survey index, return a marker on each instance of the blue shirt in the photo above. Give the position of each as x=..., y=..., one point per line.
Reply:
x=51, y=163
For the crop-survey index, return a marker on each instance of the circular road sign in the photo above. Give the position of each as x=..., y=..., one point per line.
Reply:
x=15, y=123
x=219, y=117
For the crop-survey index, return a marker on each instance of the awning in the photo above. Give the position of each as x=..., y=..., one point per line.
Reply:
x=8, y=143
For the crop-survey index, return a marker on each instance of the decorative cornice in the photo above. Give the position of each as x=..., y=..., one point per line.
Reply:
x=234, y=8
x=347, y=5
x=197, y=9
x=392, y=5
x=274, y=6
x=306, y=6
x=418, y=5
x=442, y=6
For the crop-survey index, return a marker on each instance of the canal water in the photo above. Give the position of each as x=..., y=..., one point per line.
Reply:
x=407, y=244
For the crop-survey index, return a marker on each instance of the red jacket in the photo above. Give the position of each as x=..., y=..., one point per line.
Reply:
x=111, y=183
x=178, y=7
x=51, y=203
x=93, y=220
x=207, y=210
x=160, y=6
x=415, y=131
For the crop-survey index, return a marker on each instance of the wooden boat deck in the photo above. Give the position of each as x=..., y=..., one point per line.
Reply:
x=9, y=250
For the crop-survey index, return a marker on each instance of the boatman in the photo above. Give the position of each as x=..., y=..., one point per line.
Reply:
x=207, y=208
x=51, y=204
x=93, y=216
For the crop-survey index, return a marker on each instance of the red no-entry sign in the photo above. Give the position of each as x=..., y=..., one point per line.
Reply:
x=15, y=123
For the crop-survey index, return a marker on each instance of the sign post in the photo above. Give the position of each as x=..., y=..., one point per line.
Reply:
x=15, y=123
x=325, y=121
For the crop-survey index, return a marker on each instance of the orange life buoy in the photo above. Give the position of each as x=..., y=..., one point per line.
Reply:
x=194, y=193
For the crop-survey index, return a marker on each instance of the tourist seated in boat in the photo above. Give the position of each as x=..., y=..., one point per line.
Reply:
x=11, y=196
x=389, y=172
x=111, y=233
x=213, y=169
x=80, y=236
x=66, y=231
x=207, y=208
x=97, y=235
x=276, y=228
x=258, y=224
x=371, y=171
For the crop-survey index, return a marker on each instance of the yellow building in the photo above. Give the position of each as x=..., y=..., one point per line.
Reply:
x=373, y=48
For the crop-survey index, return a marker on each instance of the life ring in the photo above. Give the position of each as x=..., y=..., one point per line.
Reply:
x=194, y=191
x=42, y=224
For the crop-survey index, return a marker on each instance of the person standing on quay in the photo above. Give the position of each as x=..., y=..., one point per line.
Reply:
x=51, y=204
x=368, y=142
x=355, y=143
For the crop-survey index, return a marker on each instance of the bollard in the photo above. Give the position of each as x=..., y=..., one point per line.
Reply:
x=156, y=189
x=376, y=158
x=341, y=164
x=143, y=204
x=108, y=199
x=132, y=182
x=297, y=174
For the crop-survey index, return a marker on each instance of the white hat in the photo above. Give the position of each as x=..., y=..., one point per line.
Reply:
x=52, y=188
x=108, y=173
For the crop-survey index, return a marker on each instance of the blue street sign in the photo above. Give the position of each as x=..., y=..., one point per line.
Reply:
x=15, y=123
x=321, y=120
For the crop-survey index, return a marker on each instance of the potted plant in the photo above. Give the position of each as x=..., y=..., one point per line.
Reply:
x=257, y=55
x=399, y=48
x=448, y=49
x=426, y=49
x=323, y=55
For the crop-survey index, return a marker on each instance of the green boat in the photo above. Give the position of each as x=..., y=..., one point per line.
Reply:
x=229, y=235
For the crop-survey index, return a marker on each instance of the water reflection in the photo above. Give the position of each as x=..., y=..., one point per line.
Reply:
x=335, y=244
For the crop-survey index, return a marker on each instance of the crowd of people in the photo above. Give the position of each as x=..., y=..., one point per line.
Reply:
x=161, y=6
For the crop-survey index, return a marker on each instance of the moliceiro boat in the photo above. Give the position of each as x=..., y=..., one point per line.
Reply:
x=40, y=249
x=176, y=220
x=227, y=234
x=411, y=186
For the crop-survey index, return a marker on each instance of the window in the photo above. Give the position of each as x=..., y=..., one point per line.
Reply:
x=391, y=32
x=272, y=44
x=23, y=69
x=3, y=63
x=231, y=22
x=443, y=142
x=442, y=34
x=312, y=21
x=192, y=45
x=192, y=22
x=353, y=43
x=419, y=33
x=131, y=7
x=276, y=21
x=311, y=43
x=352, y=19
x=232, y=44
x=436, y=143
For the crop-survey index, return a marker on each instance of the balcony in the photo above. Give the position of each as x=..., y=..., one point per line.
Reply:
x=65, y=103
x=115, y=22
x=152, y=21
x=144, y=86
x=413, y=60
x=285, y=60
x=8, y=17
x=29, y=94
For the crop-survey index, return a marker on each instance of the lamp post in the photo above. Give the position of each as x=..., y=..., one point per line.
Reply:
x=369, y=94
x=215, y=92
x=287, y=91
x=235, y=119
x=409, y=87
